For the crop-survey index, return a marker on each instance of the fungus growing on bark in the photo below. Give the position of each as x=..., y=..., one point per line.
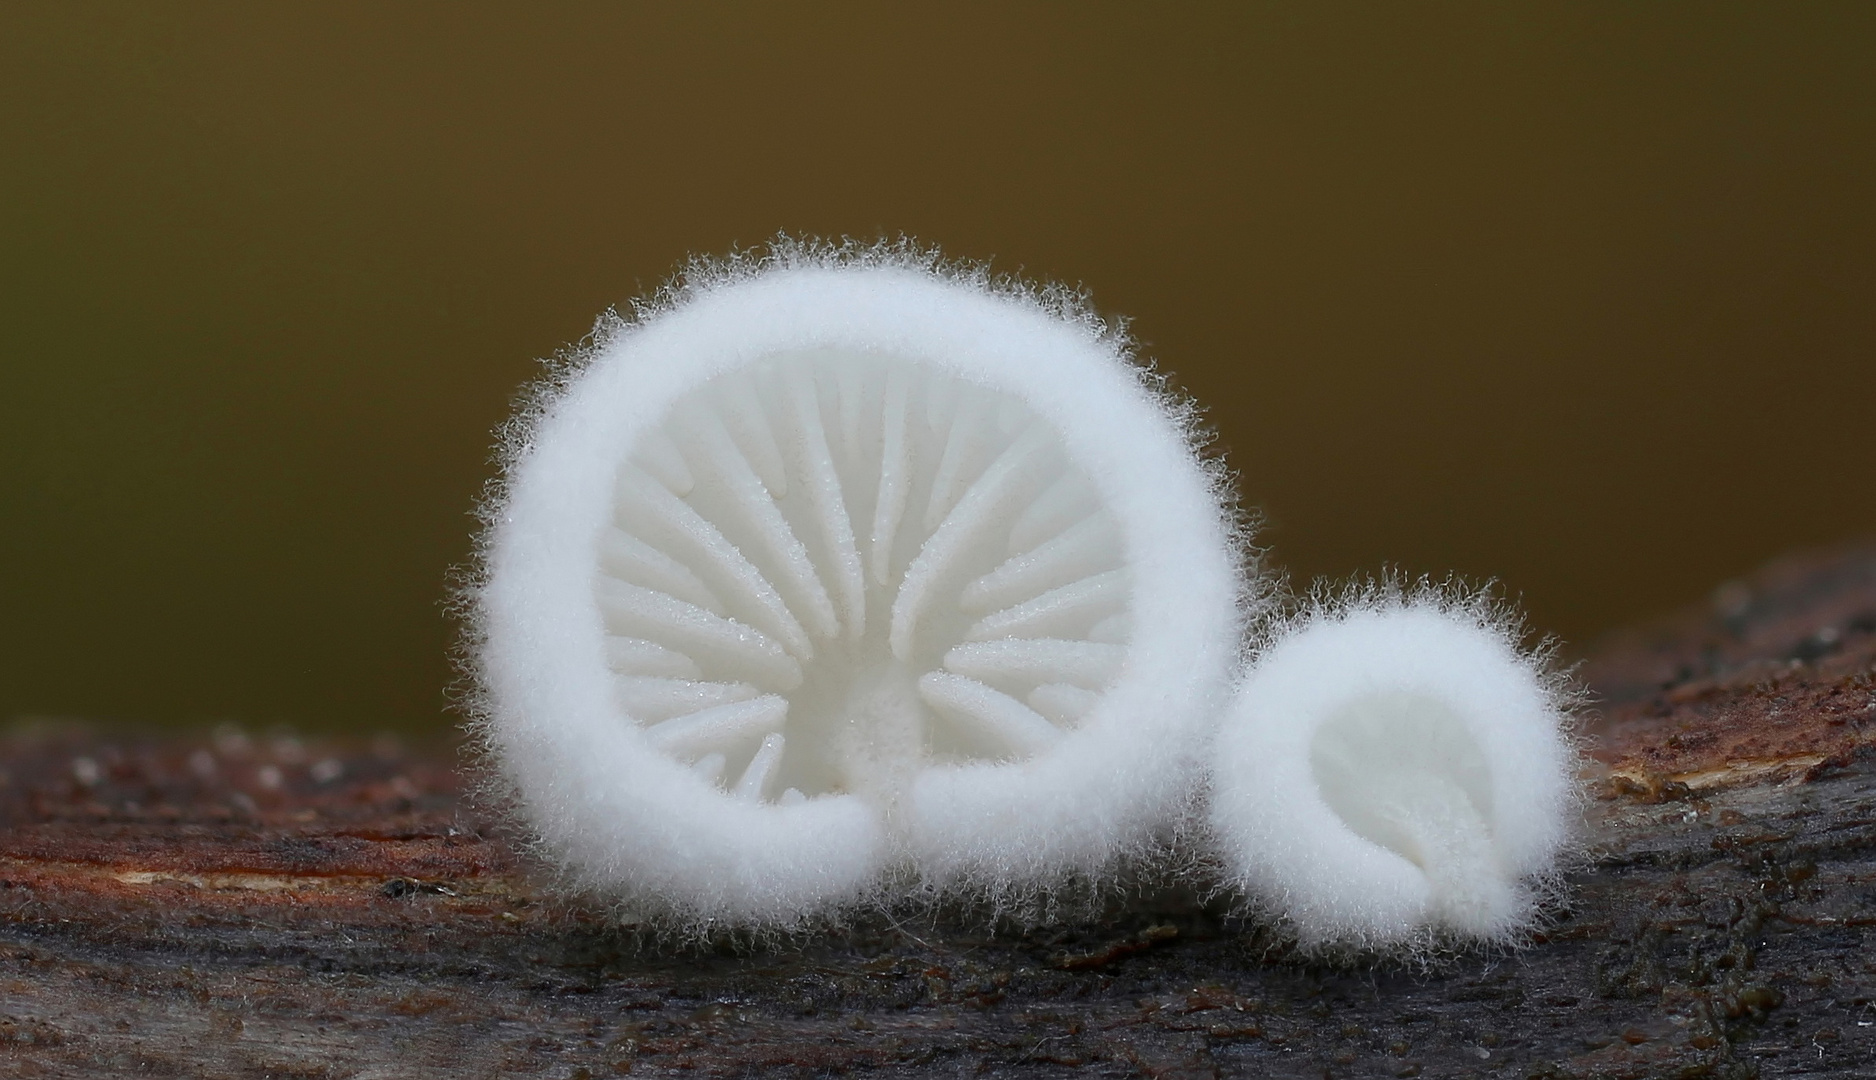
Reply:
x=1393, y=771
x=841, y=562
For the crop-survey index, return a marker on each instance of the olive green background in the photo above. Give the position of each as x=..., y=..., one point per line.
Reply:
x=1575, y=296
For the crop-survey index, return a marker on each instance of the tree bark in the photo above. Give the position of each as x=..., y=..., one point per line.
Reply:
x=232, y=906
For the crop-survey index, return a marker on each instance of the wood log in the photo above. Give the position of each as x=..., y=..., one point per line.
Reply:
x=232, y=906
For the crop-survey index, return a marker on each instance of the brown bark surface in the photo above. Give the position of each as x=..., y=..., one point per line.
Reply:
x=234, y=906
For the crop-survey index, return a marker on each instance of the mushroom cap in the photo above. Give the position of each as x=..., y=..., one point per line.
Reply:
x=1394, y=770
x=1072, y=752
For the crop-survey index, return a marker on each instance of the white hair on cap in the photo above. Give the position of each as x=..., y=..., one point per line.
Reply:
x=839, y=562
x=1394, y=771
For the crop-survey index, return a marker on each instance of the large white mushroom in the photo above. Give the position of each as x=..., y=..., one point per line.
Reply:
x=839, y=562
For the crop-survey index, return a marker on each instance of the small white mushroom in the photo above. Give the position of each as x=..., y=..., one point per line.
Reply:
x=1394, y=770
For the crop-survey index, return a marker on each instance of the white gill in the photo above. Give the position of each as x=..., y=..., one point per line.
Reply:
x=828, y=569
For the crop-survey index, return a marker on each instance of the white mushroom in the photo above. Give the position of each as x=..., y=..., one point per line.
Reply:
x=839, y=562
x=1394, y=770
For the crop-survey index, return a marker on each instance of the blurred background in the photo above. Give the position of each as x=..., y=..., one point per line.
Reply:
x=1576, y=296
